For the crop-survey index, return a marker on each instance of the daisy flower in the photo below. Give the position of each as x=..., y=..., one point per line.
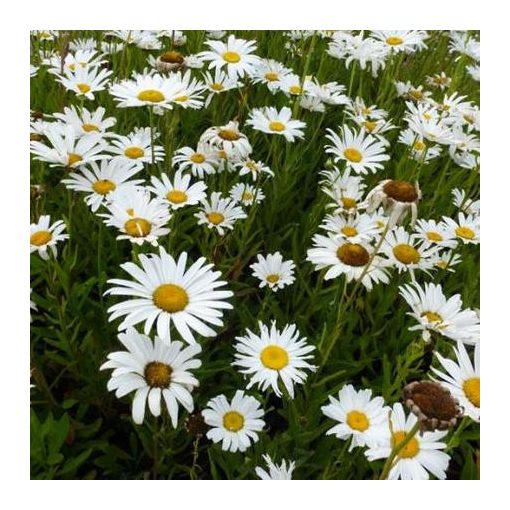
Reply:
x=441, y=81
x=272, y=356
x=270, y=120
x=358, y=415
x=270, y=72
x=165, y=292
x=219, y=213
x=407, y=41
x=220, y=83
x=138, y=217
x=86, y=122
x=235, y=55
x=434, y=312
x=355, y=228
x=178, y=193
x=136, y=146
x=446, y=260
x=462, y=379
x=420, y=149
x=228, y=139
x=84, y=81
x=273, y=271
x=246, y=194
x=67, y=149
x=467, y=205
x=235, y=424
x=331, y=93
x=153, y=370
x=44, y=236
x=360, y=151
x=346, y=191
x=291, y=86
x=253, y=168
x=466, y=228
x=84, y=58
x=282, y=472
x=201, y=162
x=189, y=92
x=433, y=233
x=419, y=457
x=100, y=182
x=351, y=259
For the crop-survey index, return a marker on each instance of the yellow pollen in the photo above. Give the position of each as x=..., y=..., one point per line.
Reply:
x=40, y=238
x=353, y=155
x=176, y=197
x=215, y=218
x=229, y=135
x=274, y=357
x=137, y=227
x=271, y=76
x=353, y=254
x=134, y=152
x=432, y=317
x=349, y=231
x=370, y=125
x=217, y=86
x=276, y=126
x=411, y=449
x=471, y=389
x=233, y=421
x=394, y=40
x=170, y=298
x=419, y=145
x=181, y=99
x=272, y=278
x=465, y=233
x=151, y=96
x=89, y=127
x=197, y=158
x=231, y=57
x=295, y=90
x=103, y=187
x=406, y=254
x=434, y=236
x=73, y=158
x=252, y=166
x=348, y=202
x=83, y=88
x=157, y=374
x=357, y=421
x=247, y=196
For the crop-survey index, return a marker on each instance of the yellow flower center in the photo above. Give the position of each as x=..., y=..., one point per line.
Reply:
x=353, y=155
x=274, y=357
x=353, y=254
x=348, y=203
x=73, y=158
x=229, y=135
x=170, y=298
x=271, y=76
x=419, y=145
x=137, y=227
x=231, y=57
x=89, y=127
x=465, y=232
x=215, y=218
x=233, y=421
x=411, y=449
x=181, y=99
x=151, y=96
x=295, y=90
x=83, y=88
x=443, y=264
x=349, y=231
x=277, y=126
x=134, y=152
x=217, y=86
x=103, y=187
x=357, y=421
x=370, y=125
x=432, y=316
x=434, y=236
x=272, y=278
x=416, y=94
x=247, y=196
x=176, y=197
x=197, y=158
x=406, y=254
x=394, y=40
x=40, y=238
x=157, y=374
x=471, y=389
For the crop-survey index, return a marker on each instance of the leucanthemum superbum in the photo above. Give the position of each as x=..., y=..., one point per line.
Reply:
x=219, y=213
x=44, y=236
x=276, y=122
x=86, y=121
x=137, y=146
x=354, y=228
x=179, y=192
x=281, y=472
x=246, y=194
x=273, y=271
x=85, y=81
x=227, y=139
x=433, y=233
x=221, y=82
x=466, y=228
x=202, y=161
x=253, y=168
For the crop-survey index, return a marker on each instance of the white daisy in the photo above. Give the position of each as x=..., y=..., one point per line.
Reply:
x=462, y=379
x=466, y=228
x=331, y=93
x=86, y=122
x=228, y=139
x=165, y=292
x=84, y=58
x=201, y=162
x=189, y=93
x=359, y=415
x=270, y=120
x=282, y=472
x=273, y=271
x=235, y=424
x=446, y=260
x=254, y=168
x=420, y=149
x=44, y=236
x=434, y=312
x=433, y=233
x=219, y=213
x=270, y=72
x=290, y=84
x=354, y=228
x=220, y=83
x=273, y=355
x=136, y=146
x=246, y=194
x=178, y=193
x=407, y=41
x=84, y=81
x=154, y=371
x=467, y=205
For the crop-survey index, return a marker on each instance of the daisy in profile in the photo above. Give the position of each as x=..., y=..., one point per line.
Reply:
x=273, y=271
x=281, y=472
x=346, y=191
x=228, y=139
x=201, y=162
x=235, y=424
x=136, y=146
x=219, y=213
x=178, y=193
x=273, y=356
x=190, y=91
x=253, y=168
x=466, y=228
x=85, y=81
x=291, y=85
x=154, y=371
x=67, y=149
x=85, y=58
x=360, y=151
x=270, y=120
x=407, y=41
x=447, y=260
x=421, y=455
x=86, y=121
x=351, y=259
x=138, y=217
x=354, y=228
x=101, y=181
x=433, y=233
x=163, y=291
x=246, y=194
x=467, y=205
x=43, y=235
x=434, y=312
x=462, y=378
x=221, y=82
x=420, y=149
x=358, y=415
x=235, y=56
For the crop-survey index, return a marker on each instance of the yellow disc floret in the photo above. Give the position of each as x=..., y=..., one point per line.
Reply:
x=170, y=298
